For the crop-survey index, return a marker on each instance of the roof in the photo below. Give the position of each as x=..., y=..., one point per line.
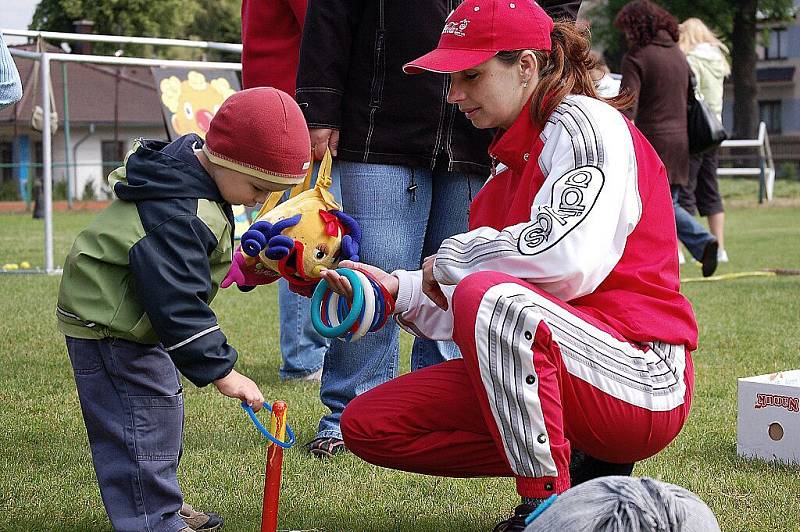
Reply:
x=90, y=90
x=775, y=74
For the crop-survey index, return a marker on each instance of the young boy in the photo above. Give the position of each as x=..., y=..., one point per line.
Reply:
x=135, y=293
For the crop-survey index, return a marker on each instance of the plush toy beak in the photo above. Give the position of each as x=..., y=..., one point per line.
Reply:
x=291, y=266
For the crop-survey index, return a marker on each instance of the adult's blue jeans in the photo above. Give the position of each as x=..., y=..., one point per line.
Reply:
x=302, y=347
x=691, y=232
x=405, y=213
x=132, y=404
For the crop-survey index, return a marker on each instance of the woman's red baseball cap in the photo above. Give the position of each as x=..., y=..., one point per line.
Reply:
x=477, y=29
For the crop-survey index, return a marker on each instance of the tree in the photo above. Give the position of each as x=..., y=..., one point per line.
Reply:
x=211, y=20
x=735, y=21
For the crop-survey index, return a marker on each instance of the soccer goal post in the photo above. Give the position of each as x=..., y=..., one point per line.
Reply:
x=45, y=58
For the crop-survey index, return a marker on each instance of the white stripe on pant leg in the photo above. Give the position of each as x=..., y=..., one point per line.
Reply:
x=505, y=358
x=652, y=380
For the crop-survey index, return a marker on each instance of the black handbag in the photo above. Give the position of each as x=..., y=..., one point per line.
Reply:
x=704, y=128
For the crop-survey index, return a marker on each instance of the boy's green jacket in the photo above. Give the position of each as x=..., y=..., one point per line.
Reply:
x=148, y=266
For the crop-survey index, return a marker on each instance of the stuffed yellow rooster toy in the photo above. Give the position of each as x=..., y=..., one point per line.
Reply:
x=296, y=240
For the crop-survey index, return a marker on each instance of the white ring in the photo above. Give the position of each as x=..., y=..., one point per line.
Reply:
x=369, y=307
x=333, y=310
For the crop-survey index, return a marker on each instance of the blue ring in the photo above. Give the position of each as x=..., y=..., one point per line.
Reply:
x=380, y=305
x=325, y=299
x=343, y=309
x=289, y=432
x=355, y=309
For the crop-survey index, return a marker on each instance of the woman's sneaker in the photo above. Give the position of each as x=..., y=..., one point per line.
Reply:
x=517, y=521
x=200, y=521
x=722, y=255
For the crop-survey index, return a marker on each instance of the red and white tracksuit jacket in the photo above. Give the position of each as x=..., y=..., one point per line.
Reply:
x=564, y=299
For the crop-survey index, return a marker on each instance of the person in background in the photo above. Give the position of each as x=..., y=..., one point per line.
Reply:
x=607, y=85
x=409, y=162
x=271, y=33
x=10, y=83
x=706, y=56
x=656, y=73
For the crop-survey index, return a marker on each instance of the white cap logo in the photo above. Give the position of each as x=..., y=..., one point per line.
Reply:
x=456, y=28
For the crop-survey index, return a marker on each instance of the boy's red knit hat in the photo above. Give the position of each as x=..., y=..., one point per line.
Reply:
x=261, y=132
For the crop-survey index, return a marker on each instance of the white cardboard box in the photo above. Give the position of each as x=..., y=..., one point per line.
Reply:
x=768, y=425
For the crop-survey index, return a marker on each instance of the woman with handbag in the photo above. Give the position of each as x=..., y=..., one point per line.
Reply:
x=706, y=56
x=656, y=72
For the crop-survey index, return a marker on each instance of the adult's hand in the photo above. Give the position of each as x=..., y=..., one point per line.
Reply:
x=322, y=139
x=341, y=285
x=429, y=285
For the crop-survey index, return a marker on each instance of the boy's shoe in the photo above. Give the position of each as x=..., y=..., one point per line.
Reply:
x=200, y=521
x=709, y=260
x=722, y=255
x=326, y=447
x=681, y=257
x=517, y=521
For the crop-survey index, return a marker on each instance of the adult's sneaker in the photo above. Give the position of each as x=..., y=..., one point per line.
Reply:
x=709, y=260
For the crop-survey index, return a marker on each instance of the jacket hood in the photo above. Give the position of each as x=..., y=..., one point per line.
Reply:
x=711, y=58
x=156, y=169
x=663, y=38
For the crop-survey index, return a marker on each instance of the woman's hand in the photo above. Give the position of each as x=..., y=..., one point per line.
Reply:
x=341, y=285
x=429, y=285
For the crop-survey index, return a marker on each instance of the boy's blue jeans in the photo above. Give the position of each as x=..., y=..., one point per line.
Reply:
x=132, y=404
x=302, y=347
x=400, y=228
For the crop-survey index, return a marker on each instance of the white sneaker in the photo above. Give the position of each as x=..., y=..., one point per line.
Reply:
x=722, y=255
x=681, y=258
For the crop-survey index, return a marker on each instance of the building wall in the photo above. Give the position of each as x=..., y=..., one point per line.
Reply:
x=86, y=161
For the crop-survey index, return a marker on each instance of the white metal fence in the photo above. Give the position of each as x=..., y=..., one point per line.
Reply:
x=46, y=58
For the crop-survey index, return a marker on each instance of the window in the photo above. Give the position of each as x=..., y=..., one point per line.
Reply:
x=777, y=45
x=769, y=112
x=38, y=160
x=6, y=160
x=112, y=156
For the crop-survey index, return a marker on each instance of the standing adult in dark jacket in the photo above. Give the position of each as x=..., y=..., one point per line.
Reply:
x=271, y=33
x=403, y=153
x=657, y=73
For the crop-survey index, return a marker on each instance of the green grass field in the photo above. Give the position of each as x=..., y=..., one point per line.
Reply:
x=747, y=327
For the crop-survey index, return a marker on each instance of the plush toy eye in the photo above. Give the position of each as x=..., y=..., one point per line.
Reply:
x=319, y=255
x=187, y=109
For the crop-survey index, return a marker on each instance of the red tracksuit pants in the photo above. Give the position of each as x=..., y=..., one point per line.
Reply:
x=537, y=375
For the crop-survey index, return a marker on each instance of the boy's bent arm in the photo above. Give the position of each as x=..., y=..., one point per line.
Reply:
x=172, y=276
